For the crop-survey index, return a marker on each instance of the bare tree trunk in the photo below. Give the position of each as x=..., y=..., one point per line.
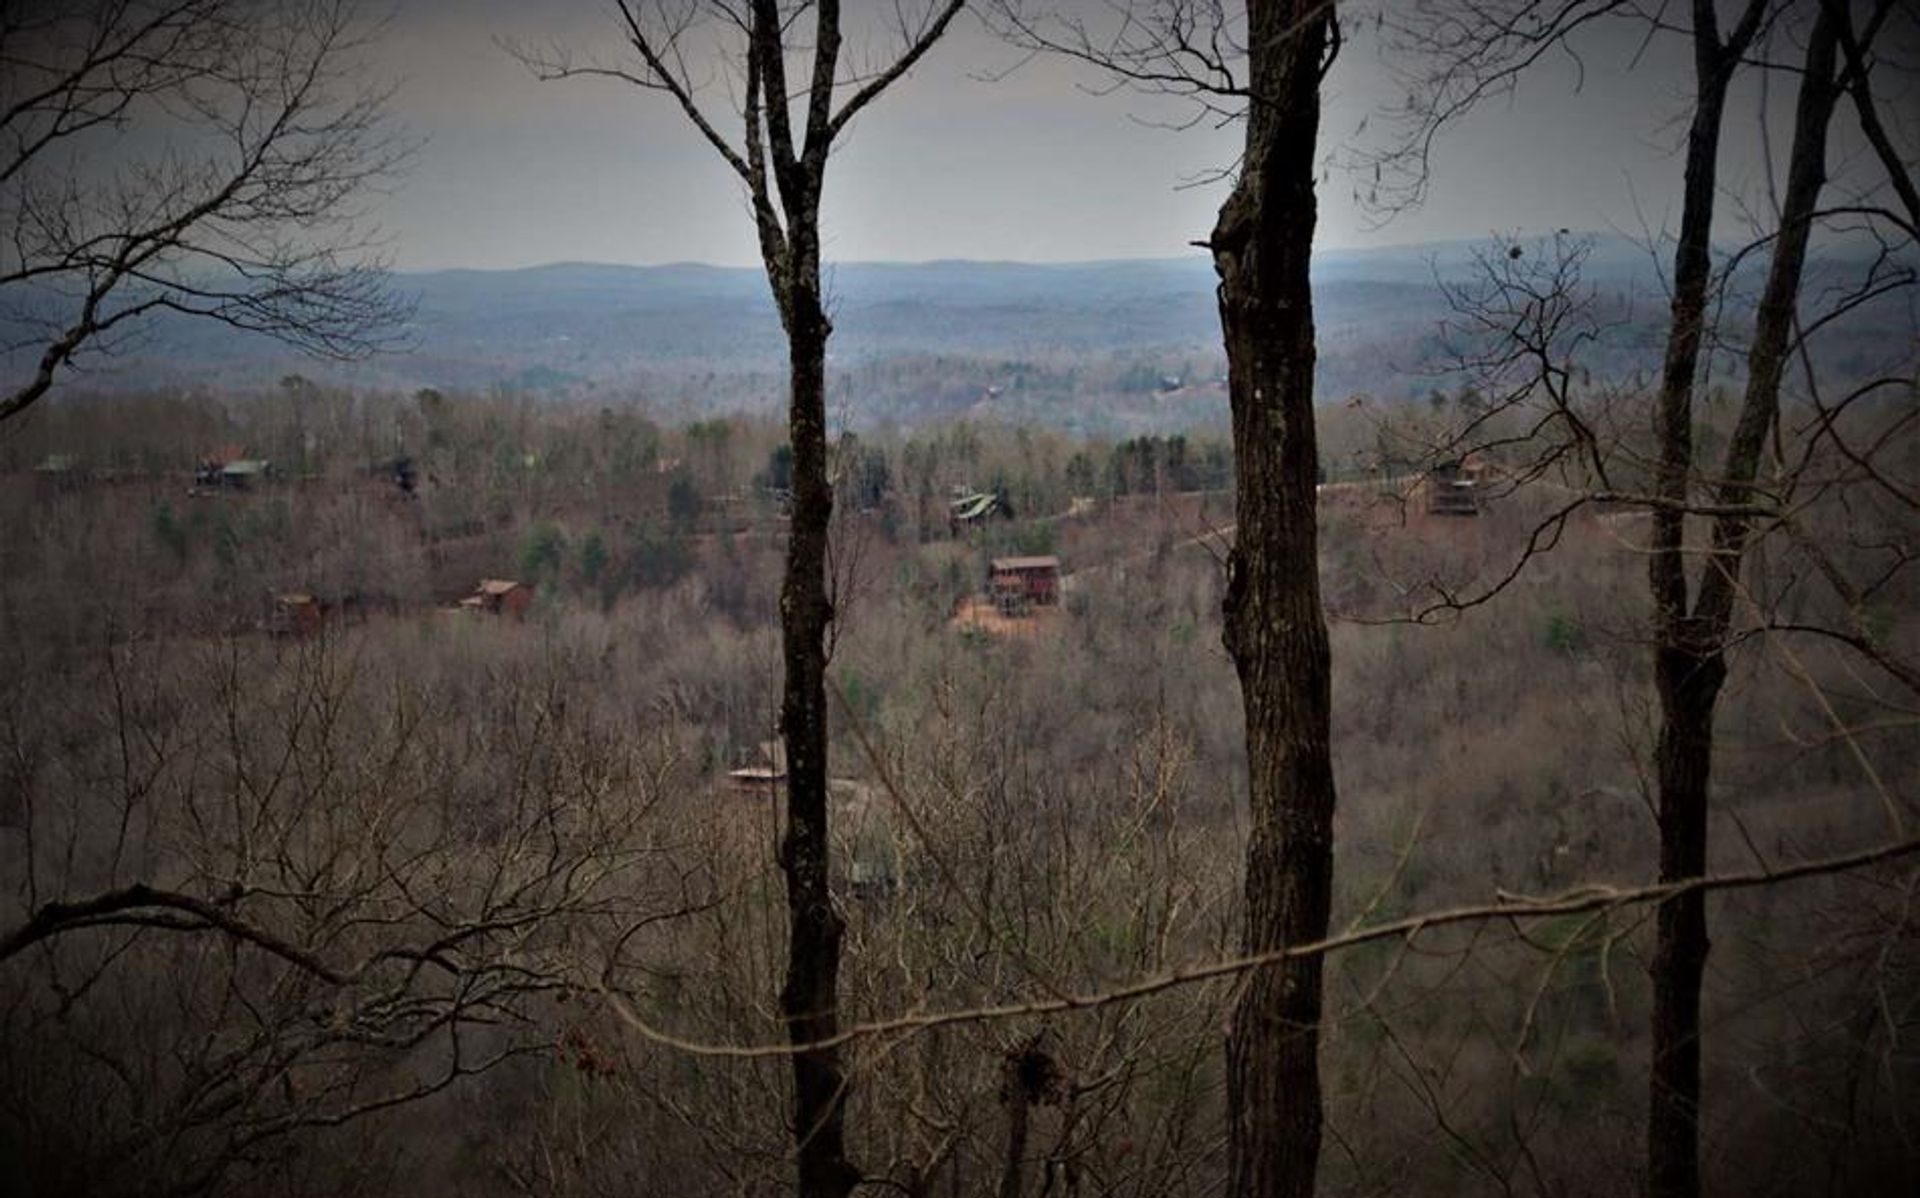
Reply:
x=1687, y=674
x=1689, y=686
x=810, y=997
x=1690, y=657
x=1019, y=1118
x=1714, y=65
x=1275, y=630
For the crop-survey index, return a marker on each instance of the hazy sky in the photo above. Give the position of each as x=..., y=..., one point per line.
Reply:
x=516, y=172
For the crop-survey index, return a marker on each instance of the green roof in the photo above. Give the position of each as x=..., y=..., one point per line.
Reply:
x=974, y=506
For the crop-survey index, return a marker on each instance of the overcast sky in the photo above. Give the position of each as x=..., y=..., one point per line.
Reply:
x=516, y=172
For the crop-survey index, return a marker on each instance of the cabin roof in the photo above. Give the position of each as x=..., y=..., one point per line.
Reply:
x=1048, y=562
x=972, y=507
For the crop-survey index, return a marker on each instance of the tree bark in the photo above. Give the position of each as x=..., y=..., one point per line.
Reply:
x=1275, y=631
x=809, y=999
x=790, y=248
x=1714, y=65
x=1688, y=682
x=1019, y=1115
x=1687, y=674
x=1690, y=656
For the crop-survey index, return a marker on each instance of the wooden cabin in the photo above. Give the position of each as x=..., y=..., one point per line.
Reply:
x=970, y=509
x=295, y=614
x=500, y=597
x=1017, y=585
x=1453, y=488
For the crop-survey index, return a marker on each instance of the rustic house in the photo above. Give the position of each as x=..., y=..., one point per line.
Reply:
x=765, y=776
x=212, y=470
x=1018, y=584
x=295, y=614
x=1453, y=488
x=500, y=596
x=970, y=508
x=244, y=473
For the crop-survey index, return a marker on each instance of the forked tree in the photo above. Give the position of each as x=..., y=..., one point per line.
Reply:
x=781, y=157
x=1471, y=52
x=1690, y=642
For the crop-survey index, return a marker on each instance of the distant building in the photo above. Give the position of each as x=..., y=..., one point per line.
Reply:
x=767, y=775
x=500, y=596
x=970, y=508
x=233, y=473
x=58, y=471
x=295, y=614
x=207, y=473
x=1018, y=584
x=244, y=473
x=1453, y=488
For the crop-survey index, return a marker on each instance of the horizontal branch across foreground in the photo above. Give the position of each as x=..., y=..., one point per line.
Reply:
x=1573, y=902
x=136, y=906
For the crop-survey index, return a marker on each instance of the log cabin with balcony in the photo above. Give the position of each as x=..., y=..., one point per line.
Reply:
x=1018, y=585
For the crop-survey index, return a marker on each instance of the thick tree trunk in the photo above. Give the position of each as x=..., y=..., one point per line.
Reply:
x=810, y=997
x=1690, y=661
x=1275, y=630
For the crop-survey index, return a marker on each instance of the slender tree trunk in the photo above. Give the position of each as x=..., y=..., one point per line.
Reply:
x=1688, y=682
x=1690, y=658
x=1275, y=630
x=1019, y=1117
x=1692, y=273
x=810, y=997
x=1687, y=674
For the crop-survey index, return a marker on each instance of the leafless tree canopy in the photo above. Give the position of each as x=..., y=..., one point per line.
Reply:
x=1193, y=50
x=203, y=158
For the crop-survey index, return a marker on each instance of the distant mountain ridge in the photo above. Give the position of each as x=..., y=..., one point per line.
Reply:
x=596, y=319
x=707, y=336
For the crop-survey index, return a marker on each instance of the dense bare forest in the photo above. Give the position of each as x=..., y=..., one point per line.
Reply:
x=443, y=843
x=760, y=773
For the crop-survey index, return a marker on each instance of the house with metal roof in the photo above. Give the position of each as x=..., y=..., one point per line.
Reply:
x=239, y=474
x=970, y=508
